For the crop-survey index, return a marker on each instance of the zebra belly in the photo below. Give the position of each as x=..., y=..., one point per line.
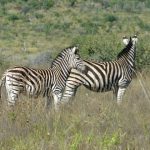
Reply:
x=99, y=88
x=32, y=92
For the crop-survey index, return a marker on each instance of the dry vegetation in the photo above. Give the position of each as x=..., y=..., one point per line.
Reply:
x=91, y=121
x=32, y=33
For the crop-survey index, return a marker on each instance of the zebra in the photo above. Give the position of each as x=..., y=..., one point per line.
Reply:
x=105, y=76
x=35, y=82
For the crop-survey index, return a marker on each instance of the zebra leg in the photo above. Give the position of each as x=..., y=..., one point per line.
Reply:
x=48, y=101
x=57, y=100
x=12, y=92
x=69, y=93
x=12, y=97
x=120, y=94
x=115, y=92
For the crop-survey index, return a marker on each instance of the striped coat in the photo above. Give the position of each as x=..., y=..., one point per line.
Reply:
x=35, y=82
x=105, y=76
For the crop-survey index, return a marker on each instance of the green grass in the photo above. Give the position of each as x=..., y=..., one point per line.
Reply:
x=53, y=25
x=91, y=121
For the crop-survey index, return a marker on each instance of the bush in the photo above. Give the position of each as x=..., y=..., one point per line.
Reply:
x=111, y=18
x=13, y=17
x=72, y=2
x=48, y=4
x=97, y=47
x=143, y=53
x=106, y=48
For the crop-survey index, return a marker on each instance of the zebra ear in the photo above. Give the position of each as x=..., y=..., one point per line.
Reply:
x=134, y=39
x=125, y=40
x=75, y=50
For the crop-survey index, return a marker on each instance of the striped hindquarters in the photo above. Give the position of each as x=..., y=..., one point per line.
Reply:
x=26, y=80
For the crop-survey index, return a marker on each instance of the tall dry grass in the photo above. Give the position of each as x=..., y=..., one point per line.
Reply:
x=92, y=121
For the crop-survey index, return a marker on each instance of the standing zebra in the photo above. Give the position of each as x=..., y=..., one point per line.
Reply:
x=105, y=76
x=34, y=82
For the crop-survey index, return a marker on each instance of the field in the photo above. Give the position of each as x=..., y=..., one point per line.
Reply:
x=33, y=32
x=92, y=121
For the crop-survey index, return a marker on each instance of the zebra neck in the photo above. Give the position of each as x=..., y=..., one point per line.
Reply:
x=62, y=70
x=129, y=57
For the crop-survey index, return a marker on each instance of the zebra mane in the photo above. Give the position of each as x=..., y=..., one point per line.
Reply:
x=60, y=56
x=126, y=49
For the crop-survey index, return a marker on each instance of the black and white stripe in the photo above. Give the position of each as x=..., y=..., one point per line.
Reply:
x=35, y=82
x=105, y=76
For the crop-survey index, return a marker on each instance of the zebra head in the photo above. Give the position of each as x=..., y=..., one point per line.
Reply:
x=126, y=40
x=70, y=58
x=74, y=60
x=130, y=46
x=134, y=39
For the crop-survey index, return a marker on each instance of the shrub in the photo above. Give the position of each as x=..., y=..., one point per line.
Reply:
x=105, y=3
x=96, y=47
x=110, y=18
x=34, y=4
x=106, y=48
x=13, y=17
x=48, y=4
x=72, y=2
x=143, y=53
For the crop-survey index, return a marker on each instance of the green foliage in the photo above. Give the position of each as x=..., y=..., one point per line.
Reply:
x=105, y=48
x=48, y=4
x=110, y=140
x=90, y=27
x=111, y=18
x=44, y=4
x=51, y=28
x=143, y=25
x=76, y=141
x=13, y=17
x=39, y=16
x=143, y=53
x=72, y=2
x=44, y=28
x=12, y=116
x=97, y=27
x=97, y=47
